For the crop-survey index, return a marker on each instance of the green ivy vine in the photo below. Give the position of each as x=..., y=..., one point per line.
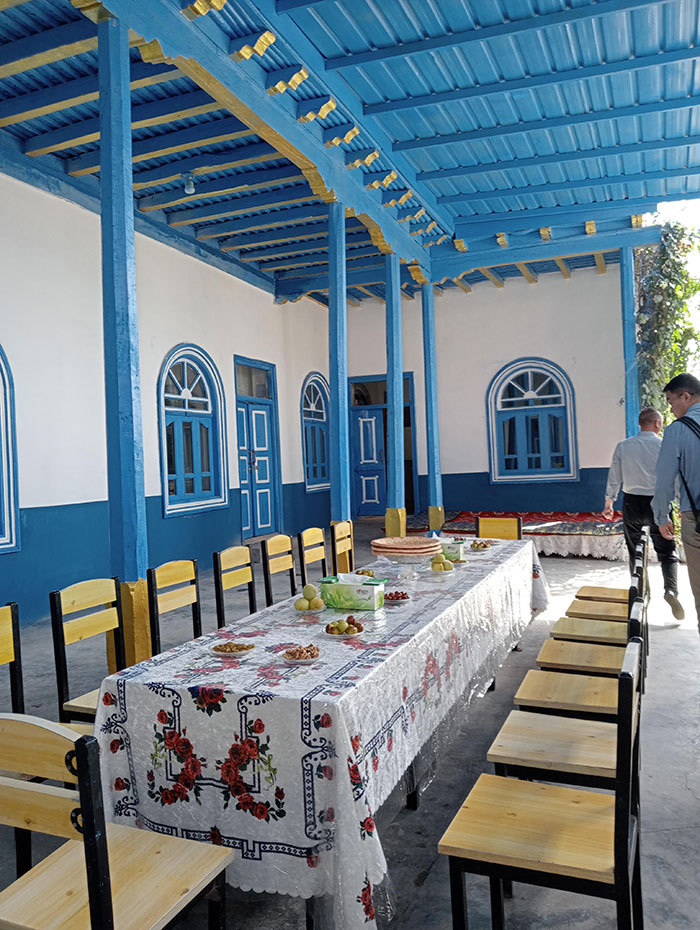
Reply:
x=667, y=341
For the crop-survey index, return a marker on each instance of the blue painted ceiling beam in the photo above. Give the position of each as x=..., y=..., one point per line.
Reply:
x=567, y=121
x=483, y=33
x=76, y=92
x=558, y=158
x=321, y=258
x=154, y=113
x=168, y=143
x=46, y=173
x=571, y=213
x=581, y=184
x=551, y=79
x=373, y=133
x=298, y=248
x=286, y=6
x=288, y=234
x=219, y=187
x=458, y=263
x=292, y=285
x=207, y=163
x=267, y=220
x=203, y=55
x=250, y=204
x=363, y=263
x=47, y=46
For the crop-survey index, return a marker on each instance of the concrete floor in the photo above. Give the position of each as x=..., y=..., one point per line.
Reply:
x=419, y=881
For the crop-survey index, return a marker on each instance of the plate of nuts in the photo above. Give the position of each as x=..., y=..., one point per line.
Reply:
x=301, y=655
x=396, y=598
x=229, y=648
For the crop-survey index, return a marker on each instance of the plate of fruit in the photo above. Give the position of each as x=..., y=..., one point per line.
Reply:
x=480, y=545
x=396, y=598
x=309, y=602
x=440, y=563
x=346, y=626
x=301, y=655
x=364, y=571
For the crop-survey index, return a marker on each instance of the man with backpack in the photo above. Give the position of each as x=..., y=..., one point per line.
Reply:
x=679, y=463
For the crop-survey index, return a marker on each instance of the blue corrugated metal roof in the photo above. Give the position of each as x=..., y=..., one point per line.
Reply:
x=481, y=108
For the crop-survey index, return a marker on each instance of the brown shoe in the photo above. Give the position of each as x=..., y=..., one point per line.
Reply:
x=676, y=607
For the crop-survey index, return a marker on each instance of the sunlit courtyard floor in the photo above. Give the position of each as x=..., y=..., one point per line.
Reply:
x=419, y=879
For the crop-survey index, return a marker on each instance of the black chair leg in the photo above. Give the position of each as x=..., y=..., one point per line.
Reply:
x=458, y=895
x=413, y=793
x=637, y=903
x=217, y=903
x=624, y=909
x=498, y=916
x=23, y=850
x=492, y=686
x=507, y=888
x=309, y=914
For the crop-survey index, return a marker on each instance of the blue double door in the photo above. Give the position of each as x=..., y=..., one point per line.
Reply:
x=258, y=465
x=368, y=429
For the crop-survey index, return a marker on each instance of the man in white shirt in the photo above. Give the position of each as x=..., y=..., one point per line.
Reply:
x=633, y=469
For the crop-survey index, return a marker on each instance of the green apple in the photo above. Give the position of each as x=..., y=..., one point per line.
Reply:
x=302, y=603
x=309, y=592
x=448, y=567
x=315, y=603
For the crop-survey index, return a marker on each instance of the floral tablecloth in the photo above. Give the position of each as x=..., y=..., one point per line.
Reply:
x=286, y=764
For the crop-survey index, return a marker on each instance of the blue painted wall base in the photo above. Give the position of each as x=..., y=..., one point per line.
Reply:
x=474, y=491
x=65, y=544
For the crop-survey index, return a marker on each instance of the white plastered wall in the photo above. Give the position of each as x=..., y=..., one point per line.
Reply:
x=51, y=331
x=575, y=323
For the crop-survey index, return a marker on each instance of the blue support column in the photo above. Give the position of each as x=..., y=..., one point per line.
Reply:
x=338, y=365
x=127, y=502
x=436, y=512
x=629, y=340
x=395, y=482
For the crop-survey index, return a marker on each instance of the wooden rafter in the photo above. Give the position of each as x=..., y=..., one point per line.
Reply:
x=526, y=272
x=563, y=267
x=493, y=276
x=600, y=262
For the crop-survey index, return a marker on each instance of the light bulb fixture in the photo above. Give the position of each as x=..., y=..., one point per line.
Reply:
x=189, y=184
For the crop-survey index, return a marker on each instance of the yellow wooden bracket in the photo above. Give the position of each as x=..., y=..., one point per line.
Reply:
x=397, y=198
x=93, y=9
x=277, y=82
x=337, y=134
x=245, y=47
x=502, y=240
x=460, y=245
x=563, y=267
x=636, y=221
x=201, y=8
x=600, y=262
x=318, y=108
x=363, y=157
x=381, y=181
x=462, y=285
x=417, y=273
x=590, y=228
x=546, y=233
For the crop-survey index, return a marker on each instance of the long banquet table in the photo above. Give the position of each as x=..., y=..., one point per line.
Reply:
x=287, y=764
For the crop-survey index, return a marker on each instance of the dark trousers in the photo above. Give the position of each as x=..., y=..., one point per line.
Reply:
x=636, y=514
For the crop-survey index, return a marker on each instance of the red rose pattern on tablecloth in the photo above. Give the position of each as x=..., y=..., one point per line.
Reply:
x=243, y=752
x=166, y=739
x=208, y=698
x=365, y=899
x=323, y=721
x=367, y=827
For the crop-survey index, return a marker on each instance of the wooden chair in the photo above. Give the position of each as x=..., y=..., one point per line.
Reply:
x=103, y=594
x=232, y=569
x=173, y=585
x=277, y=556
x=622, y=595
x=602, y=632
x=312, y=548
x=599, y=654
x=553, y=836
x=598, y=610
x=106, y=875
x=590, y=697
x=342, y=540
x=498, y=527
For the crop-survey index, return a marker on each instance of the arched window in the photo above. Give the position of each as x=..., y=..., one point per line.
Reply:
x=532, y=425
x=9, y=508
x=314, y=428
x=193, y=440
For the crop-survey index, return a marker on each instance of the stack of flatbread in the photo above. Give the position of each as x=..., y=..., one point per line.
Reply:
x=406, y=545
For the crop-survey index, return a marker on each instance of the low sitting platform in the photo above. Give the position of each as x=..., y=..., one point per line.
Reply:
x=555, y=533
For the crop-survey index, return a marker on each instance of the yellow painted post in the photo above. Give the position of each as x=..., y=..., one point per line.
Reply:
x=436, y=517
x=137, y=628
x=396, y=521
